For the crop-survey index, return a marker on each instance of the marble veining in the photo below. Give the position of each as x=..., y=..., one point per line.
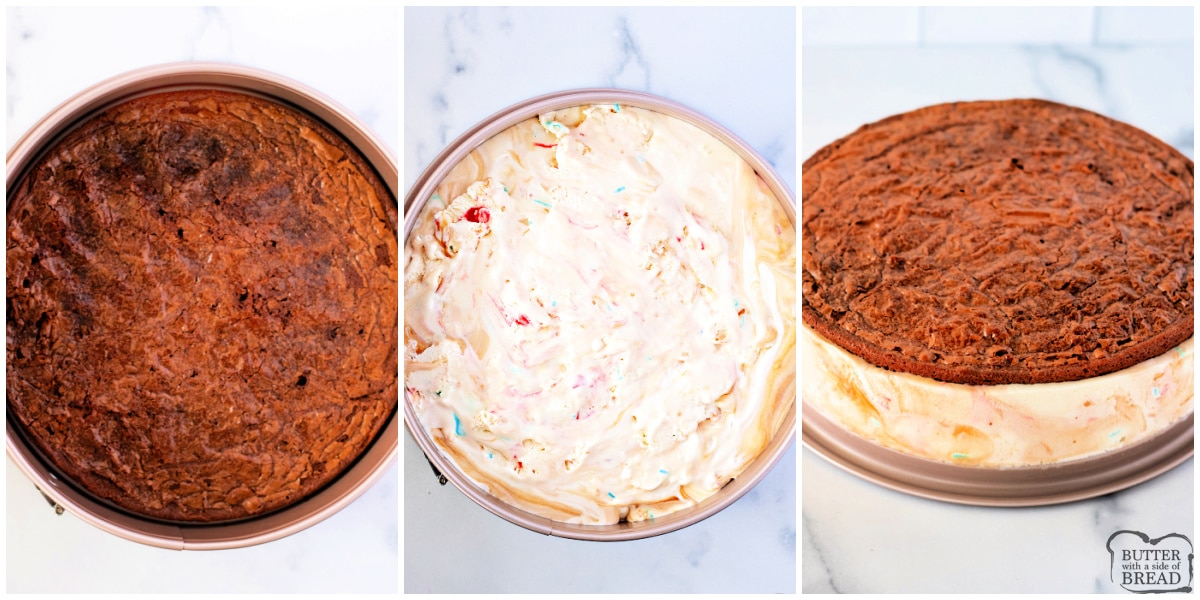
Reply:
x=1106, y=511
x=212, y=37
x=817, y=576
x=631, y=70
x=1046, y=59
x=626, y=67
x=460, y=69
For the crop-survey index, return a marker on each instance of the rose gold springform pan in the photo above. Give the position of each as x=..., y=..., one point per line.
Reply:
x=1058, y=483
x=369, y=467
x=445, y=469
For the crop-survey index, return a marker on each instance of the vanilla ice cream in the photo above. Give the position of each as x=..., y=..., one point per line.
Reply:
x=600, y=315
x=1013, y=425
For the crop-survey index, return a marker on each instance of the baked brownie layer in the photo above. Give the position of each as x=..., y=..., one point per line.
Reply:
x=1017, y=241
x=202, y=305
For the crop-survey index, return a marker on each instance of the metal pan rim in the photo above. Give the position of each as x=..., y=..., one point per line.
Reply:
x=1039, y=485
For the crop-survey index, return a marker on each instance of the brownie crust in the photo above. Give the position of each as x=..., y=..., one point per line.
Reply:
x=995, y=242
x=202, y=305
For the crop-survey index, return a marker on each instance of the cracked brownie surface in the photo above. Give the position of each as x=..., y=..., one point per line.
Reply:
x=1017, y=241
x=202, y=305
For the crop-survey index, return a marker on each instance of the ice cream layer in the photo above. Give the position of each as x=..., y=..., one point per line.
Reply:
x=600, y=315
x=996, y=425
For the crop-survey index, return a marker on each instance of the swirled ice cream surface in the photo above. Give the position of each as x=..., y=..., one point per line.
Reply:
x=600, y=315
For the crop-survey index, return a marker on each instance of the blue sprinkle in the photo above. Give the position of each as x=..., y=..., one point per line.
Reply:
x=617, y=107
x=958, y=455
x=505, y=188
x=610, y=495
x=663, y=471
x=553, y=303
x=1155, y=390
x=1115, y=433
x=619, y=190
x=490, y=455
x=458, y=428
x=735, y=302
x=436, y=197
x=541, y=202
x=554, y=126
x=641, y=158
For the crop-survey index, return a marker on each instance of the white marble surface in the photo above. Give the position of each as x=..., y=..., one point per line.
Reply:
x=348, y=54
x=738, y=66
x=930, y=25
x=859, y=537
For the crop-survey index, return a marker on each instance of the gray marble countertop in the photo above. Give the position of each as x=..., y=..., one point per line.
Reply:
x=736, y=66
x=860, y=537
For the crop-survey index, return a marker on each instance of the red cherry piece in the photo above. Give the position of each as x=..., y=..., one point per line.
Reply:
x=522, y=320
x=478, y=214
